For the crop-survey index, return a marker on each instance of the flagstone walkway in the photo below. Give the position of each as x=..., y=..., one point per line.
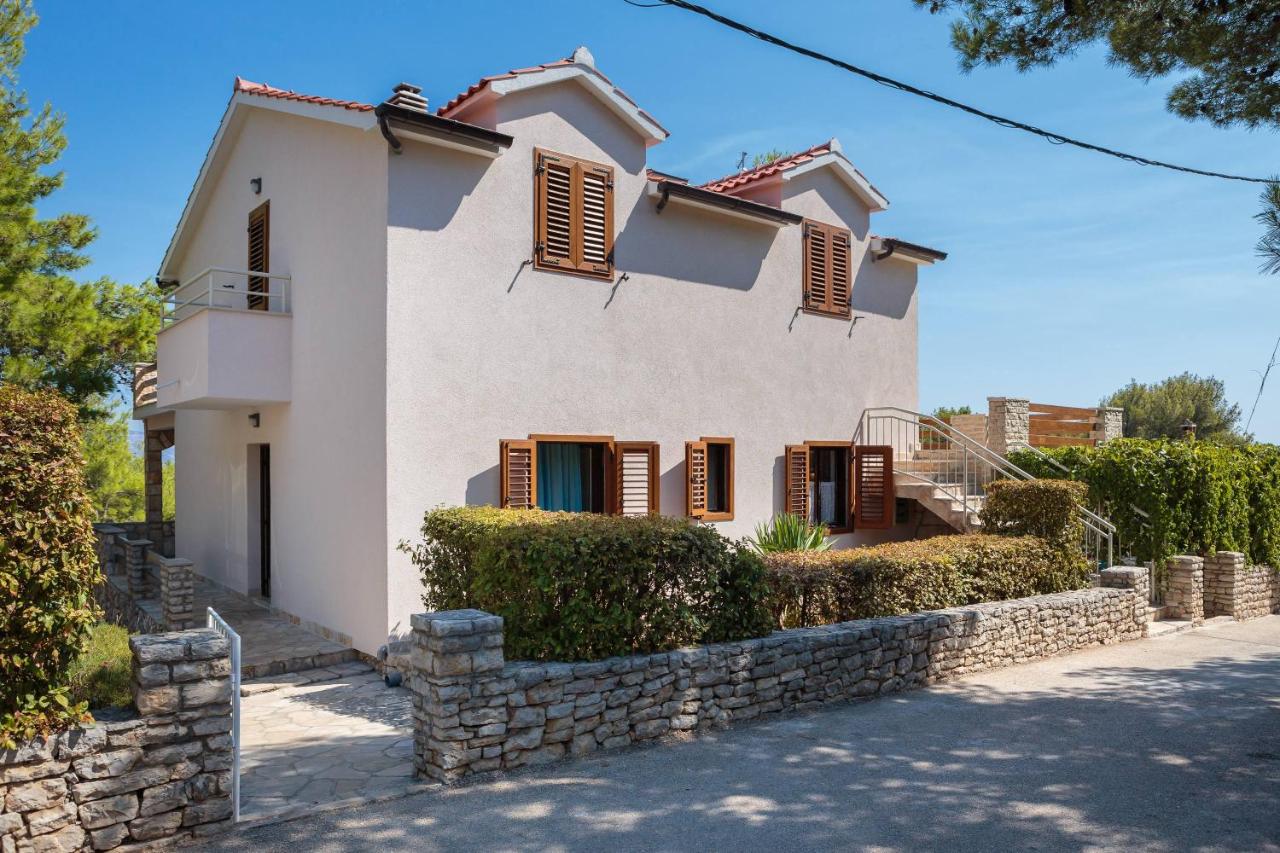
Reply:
x=349, y=738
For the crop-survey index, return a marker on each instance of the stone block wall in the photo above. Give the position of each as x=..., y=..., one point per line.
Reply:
x=1232, y=588
x=135, y=565
x=1008, y=423
x=161, y=775
x=475, y=713
x=1184, y=598
x=177, y=590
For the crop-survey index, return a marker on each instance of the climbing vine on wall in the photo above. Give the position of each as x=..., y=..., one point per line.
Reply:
x=1171, y=497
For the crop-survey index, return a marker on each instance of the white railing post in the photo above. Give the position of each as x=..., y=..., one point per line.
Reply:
x=220, y=625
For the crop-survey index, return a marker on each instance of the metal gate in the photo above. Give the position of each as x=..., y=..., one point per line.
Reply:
x=220, y=625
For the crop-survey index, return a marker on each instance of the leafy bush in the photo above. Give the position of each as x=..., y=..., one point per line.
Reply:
x=1045, y=508
x=1171, y=497
x=820, y=588
x=788, y=532
x=102, y=676
x=48, y=561
x=580, y=586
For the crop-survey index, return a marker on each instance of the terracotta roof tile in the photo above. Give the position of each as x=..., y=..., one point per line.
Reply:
x=484, y=82
x=251, y=88
x=731, y=182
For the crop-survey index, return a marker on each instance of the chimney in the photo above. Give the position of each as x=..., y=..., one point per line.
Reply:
x=409, y=97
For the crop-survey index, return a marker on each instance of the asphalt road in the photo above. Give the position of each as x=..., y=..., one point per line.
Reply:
x=1170, y=743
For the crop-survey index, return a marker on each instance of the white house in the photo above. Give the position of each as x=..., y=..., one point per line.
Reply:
x=498, y=301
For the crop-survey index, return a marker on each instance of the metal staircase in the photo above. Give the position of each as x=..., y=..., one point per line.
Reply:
x=947, y=472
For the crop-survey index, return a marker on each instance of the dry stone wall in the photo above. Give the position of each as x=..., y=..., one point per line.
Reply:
x=1232, y=588
x=475, y=713
x=159, y=776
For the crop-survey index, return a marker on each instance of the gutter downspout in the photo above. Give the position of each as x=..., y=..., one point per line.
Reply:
x=880, y=256
x=395, y=143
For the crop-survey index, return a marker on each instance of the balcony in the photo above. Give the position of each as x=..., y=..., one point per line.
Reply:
x=224, y=342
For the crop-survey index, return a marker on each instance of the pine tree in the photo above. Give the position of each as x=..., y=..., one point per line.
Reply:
x=79, y=338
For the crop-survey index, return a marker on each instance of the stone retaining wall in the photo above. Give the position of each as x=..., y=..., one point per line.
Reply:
x=120, y=608
x=1185, y=595
x=163, y=774
x=1234, y=589
x=474, y=713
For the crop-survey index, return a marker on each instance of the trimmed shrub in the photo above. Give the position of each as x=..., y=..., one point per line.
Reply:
x=48, y=561
x=578, y=586
x=823, y=587
x=1179, y=497
x=1045, y=508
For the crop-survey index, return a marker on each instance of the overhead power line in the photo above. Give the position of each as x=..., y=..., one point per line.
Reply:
x=1056, y=138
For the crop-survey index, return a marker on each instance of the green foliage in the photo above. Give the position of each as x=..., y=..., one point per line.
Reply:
x=102, y=676
x=113, y=472
x=1269, y=217
x=946, y=413
x=79, y=338
x=1158, y=410
x=1179, y=497
x=1223, y=55
x=767, y=157
x=1049, y=509
x=581, y=586
x=789, y=532
x=48, y=561
x=820, y=588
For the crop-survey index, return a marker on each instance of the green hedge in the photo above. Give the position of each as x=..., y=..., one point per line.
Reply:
x=819, y=588
x=48, y=562
x=1046, y=508
x=578, y=586
x=1199, y=497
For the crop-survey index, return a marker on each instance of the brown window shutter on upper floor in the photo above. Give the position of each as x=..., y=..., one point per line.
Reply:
x=873, y=487
x=573, y=215
x=796, y=466
x=259, y=255
x=827, y=268
x=695, y=467
x=518, y=471
x=636, y=477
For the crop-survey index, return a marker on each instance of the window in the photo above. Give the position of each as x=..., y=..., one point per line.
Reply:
x=259, y=256
x=573, y=215
x=826, y=269
x=844, y=486
x=709, y=479
x=579, y=473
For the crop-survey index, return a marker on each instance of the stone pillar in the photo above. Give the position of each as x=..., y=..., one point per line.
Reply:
x=1185, y=597
x=1008, y=423
x=107, y=535
x=135, y=561
x=1136, y=578
x=153, y=472
x=177, y=588
x=460, y=713
x=1222, y=574
x=1111, y=419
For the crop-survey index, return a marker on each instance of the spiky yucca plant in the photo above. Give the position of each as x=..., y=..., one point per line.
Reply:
x=788, y=532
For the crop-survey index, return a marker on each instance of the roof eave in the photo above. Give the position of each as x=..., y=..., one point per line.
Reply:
x=722, y=203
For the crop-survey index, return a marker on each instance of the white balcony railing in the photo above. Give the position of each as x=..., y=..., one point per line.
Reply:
x=218, y=287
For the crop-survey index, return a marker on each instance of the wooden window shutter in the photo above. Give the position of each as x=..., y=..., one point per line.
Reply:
x=827, y=268
x=873, y=487
x=695, y=467
x=259, y=256
x=636, y=477
x=797, y=474
x=518, y=467
x=573, y=215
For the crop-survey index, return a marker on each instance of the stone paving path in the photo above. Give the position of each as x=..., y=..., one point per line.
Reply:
x=344, y=738
x=270, y=643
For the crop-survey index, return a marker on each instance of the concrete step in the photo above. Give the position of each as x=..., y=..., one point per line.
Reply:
x=1168, y=626
x=270, y=683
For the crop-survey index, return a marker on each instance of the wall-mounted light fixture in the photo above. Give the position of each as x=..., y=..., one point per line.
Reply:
x=256, y=183
x=255, y=419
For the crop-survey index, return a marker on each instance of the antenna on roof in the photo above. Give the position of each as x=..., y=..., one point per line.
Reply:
x=742, y=161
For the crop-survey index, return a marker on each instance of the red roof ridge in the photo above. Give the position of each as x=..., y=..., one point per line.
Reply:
x=266, y=90
x=729, y=182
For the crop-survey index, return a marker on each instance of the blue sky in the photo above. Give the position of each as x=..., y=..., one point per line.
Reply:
x=1070, y=273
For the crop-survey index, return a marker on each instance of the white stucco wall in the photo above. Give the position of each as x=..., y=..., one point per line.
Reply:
x=328, y=190
x=701, y=336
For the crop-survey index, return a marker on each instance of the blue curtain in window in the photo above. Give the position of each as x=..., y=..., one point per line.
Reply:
x=560, y=477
